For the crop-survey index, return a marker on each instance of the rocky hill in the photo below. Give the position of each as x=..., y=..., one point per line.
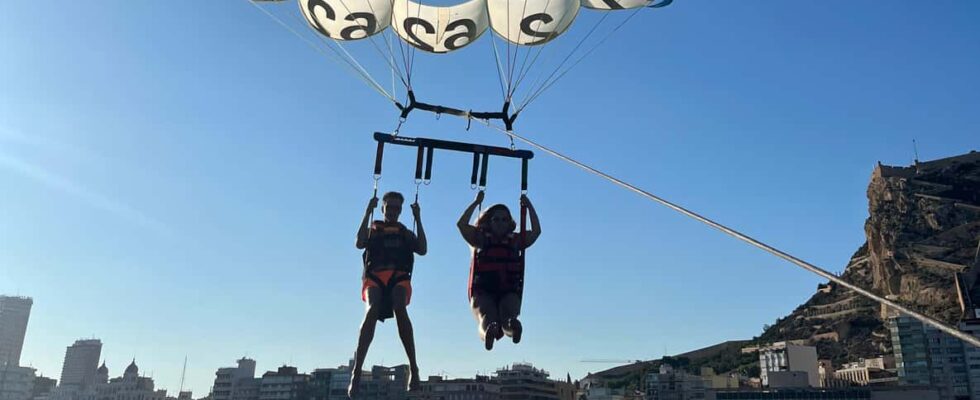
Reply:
x=923, y=227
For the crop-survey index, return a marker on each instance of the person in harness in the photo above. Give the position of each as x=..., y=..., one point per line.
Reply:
x=389, y=249
x=496, y=281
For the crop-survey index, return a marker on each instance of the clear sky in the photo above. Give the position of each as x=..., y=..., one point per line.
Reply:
x=186, y=177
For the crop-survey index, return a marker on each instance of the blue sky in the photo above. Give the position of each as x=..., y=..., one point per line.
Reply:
x=186, y=178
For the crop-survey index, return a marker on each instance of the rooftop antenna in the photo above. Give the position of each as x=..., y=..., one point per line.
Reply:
x=182, y=375
x=915, y=150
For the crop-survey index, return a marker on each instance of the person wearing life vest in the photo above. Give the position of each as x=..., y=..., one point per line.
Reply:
x=496, y=283
x=389, y=249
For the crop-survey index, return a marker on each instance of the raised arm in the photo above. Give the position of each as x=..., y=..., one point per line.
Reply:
x=364, y=229
x=421, y=245
x=468, y=231
x=532, y=235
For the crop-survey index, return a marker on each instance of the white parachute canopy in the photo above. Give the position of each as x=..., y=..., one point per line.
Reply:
x=347, y=19
x=439, y=29
x=615, y=4
x=531, y=22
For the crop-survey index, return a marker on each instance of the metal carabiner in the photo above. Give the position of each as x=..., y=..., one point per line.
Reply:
x=401, y=120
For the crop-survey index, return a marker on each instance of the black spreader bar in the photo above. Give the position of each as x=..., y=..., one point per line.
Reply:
x=450, y=145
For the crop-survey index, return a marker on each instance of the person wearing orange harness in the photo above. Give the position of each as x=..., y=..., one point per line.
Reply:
x=496, y=281
x=389, y=249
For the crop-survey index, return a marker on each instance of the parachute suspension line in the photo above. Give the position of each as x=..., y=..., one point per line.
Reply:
x=387, y=38
x=418, y=14
x=354, y=67
x=544, y=85
x=510, y=73
x=500, y=68
x=375, y=44
x=508, y=47
x=349, y=59
x=510, y=76
x=403, y=52
x=353, y=59
x=579, y=60
x=740, y=236
x=524, y=71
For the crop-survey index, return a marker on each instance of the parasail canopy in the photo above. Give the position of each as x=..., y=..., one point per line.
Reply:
x=441, y=29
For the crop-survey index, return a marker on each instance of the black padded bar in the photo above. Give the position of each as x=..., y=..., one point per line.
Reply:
x=428, y=164
x=483, y=170
x=454, y=146
x=418, y=163
x=378, y=157
x=524, y=175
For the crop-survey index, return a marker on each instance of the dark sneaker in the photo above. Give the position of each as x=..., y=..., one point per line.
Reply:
x=493, y=333
x=516, y=330
x=353, y=388
x=414, y=382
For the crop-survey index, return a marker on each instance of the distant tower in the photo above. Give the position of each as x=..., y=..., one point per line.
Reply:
x=14, y=313
x=81, y=363
x=102, y=374
x=132, y=371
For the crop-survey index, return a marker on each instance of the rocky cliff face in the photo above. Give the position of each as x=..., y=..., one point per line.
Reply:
x=923, y=227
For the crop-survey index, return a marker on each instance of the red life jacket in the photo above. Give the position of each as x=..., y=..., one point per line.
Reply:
x=498, y=266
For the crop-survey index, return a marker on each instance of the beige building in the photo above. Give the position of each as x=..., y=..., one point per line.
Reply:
x=16, y=383
x=714, y=381
x=478, y=388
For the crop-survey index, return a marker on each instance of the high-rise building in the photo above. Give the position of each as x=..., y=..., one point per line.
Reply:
x=524, y=382
x=972, y=356
x=236, y=383
x=926, y=356
x=286, y=383
x=14, y=313
x=81, y=364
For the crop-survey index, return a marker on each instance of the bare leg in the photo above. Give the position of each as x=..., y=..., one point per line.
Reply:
x=485, y=311
x=365, y=338
x=510, y=308
x=405, y=332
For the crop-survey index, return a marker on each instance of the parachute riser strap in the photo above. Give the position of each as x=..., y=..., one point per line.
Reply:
x=523, y=235
x=378, y=159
